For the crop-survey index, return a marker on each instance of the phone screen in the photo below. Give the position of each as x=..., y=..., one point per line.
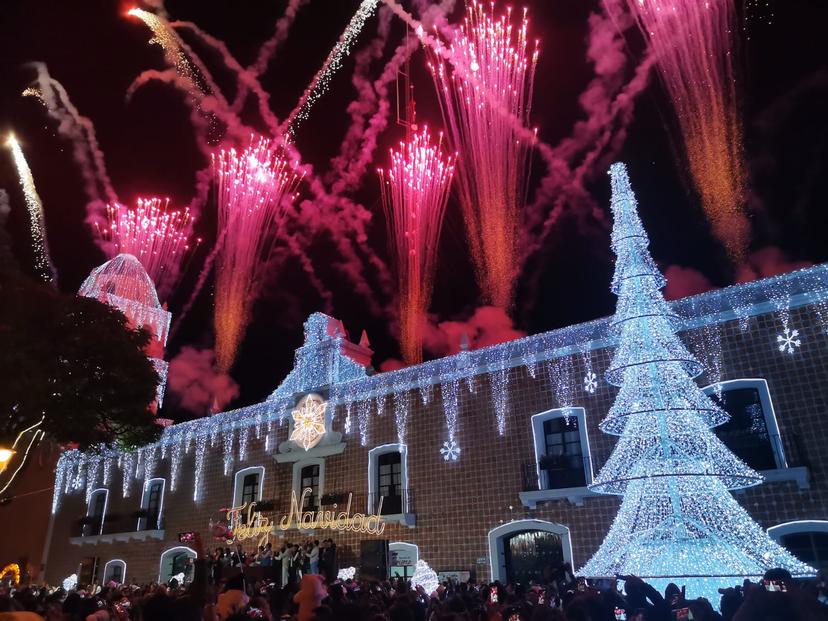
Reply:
x=682, y=614
x=620, y=614
x=493, y=595
x=774, y=585
x=186, y=537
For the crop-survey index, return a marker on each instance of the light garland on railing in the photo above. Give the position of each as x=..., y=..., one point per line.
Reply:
x=677, y=521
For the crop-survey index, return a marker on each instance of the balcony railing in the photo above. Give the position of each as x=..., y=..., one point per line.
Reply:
x=570, y=472
x=115, y=525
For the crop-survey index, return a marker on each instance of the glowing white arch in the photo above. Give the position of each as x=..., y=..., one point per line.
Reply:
x=497, y=553
x=373, y=456
x=166, y=553
x=797, y=526
x=119, y=561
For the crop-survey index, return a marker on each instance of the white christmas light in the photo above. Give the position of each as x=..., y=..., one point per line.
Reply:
x=590, y=382
x=677, y=521
x=346, y=573
x=309, y=421
x=788, y=341
x=70, y=582
x=424, y=576
x=500, y=398
x=450, y=450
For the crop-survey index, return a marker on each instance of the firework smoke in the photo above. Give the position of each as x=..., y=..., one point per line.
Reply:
x=492, y=174
x=255, y=187
x=415, y=190
x=43, y=263
x=694, y=48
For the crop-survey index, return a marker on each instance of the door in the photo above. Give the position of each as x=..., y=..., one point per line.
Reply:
x=528, y=552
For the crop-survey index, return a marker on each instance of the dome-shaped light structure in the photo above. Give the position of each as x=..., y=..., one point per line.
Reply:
x=123, y=283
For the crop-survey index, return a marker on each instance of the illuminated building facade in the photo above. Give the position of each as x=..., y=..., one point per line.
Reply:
x=481, y=460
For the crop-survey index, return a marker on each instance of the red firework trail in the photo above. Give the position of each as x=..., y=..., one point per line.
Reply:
x=255, y=188
x=694, y=47
x=153, y=233
x=493, y=172
x=415, y=190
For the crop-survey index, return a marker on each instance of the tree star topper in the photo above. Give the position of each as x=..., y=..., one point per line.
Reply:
x=309, y=421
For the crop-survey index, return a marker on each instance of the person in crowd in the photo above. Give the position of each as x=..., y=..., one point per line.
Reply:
x=313, y=557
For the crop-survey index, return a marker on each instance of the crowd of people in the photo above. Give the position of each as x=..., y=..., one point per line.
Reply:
x=293, y=559
x=556, y=596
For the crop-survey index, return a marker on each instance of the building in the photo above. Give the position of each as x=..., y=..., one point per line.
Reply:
x=481, y=460
x=123, y=283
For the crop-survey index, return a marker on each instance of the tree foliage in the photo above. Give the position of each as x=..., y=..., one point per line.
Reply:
x=75, y=362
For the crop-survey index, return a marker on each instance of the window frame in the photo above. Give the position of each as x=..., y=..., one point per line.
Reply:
x=238, y=483
x=771, y=422
x=105, y=507
x=797, y=527
x=296, y=482
x=373, y=475
x=145, y=498
x=539, y=442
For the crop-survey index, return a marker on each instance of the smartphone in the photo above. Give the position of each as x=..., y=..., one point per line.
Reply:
x=541, y=599
x=620, y=614
x=186, y=537
x=682, y=614
x=775, y=585
x=582, y=585
x=493, y=595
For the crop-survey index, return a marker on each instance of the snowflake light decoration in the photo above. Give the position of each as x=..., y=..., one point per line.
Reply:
x=450, y=450
x=788, y=341
x=346, y=573
x=590, y=382
x=309, y=421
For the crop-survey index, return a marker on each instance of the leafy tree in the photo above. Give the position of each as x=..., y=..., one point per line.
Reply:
x=75, y=362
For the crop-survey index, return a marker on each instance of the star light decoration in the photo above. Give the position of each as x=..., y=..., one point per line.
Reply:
x=788, y=341
x=590, y=382
x=450, y=450
x=309, y=421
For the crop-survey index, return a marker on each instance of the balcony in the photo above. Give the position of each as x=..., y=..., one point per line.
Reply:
x=88, y=531
x=396, y=508
x=560, y=479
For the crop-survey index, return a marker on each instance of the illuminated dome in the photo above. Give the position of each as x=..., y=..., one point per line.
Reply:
x=123, y=277
x=123, y=282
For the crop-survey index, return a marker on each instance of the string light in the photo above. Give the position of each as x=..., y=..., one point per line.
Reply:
x=677, y=521
x=425, y=577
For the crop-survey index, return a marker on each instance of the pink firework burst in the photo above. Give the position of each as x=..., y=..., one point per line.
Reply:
x=415, y=190
x=255, y=188
x=480, y=104
x=154, y=234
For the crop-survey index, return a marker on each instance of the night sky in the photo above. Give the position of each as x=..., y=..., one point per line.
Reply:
x=95, y=51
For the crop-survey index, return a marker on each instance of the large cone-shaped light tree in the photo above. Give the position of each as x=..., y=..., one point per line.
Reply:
x=678, y=521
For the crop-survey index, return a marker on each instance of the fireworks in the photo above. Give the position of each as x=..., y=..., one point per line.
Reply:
x=43, y=263
x=319, y=83
x=255, y=187
x=153, y=234
x=694, y=50
x=415, y=191
x=164, y=36
x=480, y=103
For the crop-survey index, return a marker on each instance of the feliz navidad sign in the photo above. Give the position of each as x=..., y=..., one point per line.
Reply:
x=252, y=524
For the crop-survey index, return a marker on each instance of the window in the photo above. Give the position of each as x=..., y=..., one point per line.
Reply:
x=751, y=433
x=96, y=512
x=388, y=480
x=807, y=540
x=247, y=487
x=309, y=473
x=115, y=571
x=309, y=478
x=562, y=449
x=152, y=504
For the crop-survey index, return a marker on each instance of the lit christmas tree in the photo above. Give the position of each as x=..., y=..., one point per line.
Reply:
x=677, y=521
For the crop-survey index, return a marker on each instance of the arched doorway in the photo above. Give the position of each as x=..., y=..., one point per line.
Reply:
x=175, y=561
x=519, y=550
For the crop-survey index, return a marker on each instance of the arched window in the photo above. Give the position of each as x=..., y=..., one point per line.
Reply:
x=519, y=551
x=247, y=486
x=115, y=571
x=96, y=512
x=388, y=479
x=177, y=563
x=562, y=455
x=752, y=432
x=152, y=504
x=807, y=540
